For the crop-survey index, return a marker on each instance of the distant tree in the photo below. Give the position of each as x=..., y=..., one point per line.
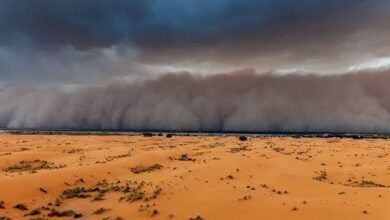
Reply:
x=243, y=138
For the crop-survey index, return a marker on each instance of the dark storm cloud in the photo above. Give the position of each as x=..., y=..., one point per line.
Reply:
x=239, y=101
x=168, y=29
x=58, y=23
x=84, y=41
x=103, y=23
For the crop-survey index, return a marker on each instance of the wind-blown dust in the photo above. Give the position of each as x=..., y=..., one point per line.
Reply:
x=239, y=101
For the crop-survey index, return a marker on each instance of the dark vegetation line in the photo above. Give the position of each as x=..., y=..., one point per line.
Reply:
x=202, y=133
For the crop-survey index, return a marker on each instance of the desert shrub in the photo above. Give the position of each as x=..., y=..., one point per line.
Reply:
x=147, y=134
x=243, y=138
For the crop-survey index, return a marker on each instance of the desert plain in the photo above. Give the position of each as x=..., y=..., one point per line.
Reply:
x=193, y=177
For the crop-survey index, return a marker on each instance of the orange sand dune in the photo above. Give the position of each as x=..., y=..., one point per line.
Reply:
x=193, y=177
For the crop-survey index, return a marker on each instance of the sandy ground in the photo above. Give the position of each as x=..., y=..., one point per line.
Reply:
x=193, y=177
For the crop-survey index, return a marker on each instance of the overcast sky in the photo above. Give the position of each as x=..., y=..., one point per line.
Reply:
x=94, y=41
x=200, y=65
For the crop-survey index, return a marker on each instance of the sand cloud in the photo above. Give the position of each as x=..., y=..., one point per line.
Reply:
x=238, y=101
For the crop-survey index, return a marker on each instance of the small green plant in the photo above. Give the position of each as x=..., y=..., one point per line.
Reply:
x=367, y=183
x=183, y=157
x=142, y=169
x=99, y=196
x=65, y=213
x=134, y=196
x=101, y=210
x=322, y=176
x=32, y=166
x=21, y=207
x=239, y=149
x=36, y=211
x=77, y=192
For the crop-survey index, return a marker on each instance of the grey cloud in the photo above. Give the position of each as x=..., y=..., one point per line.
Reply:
x=63, y=40
x=27, y=64
x=239, y=101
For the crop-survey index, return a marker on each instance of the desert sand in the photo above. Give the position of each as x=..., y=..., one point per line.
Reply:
x=193, y=177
